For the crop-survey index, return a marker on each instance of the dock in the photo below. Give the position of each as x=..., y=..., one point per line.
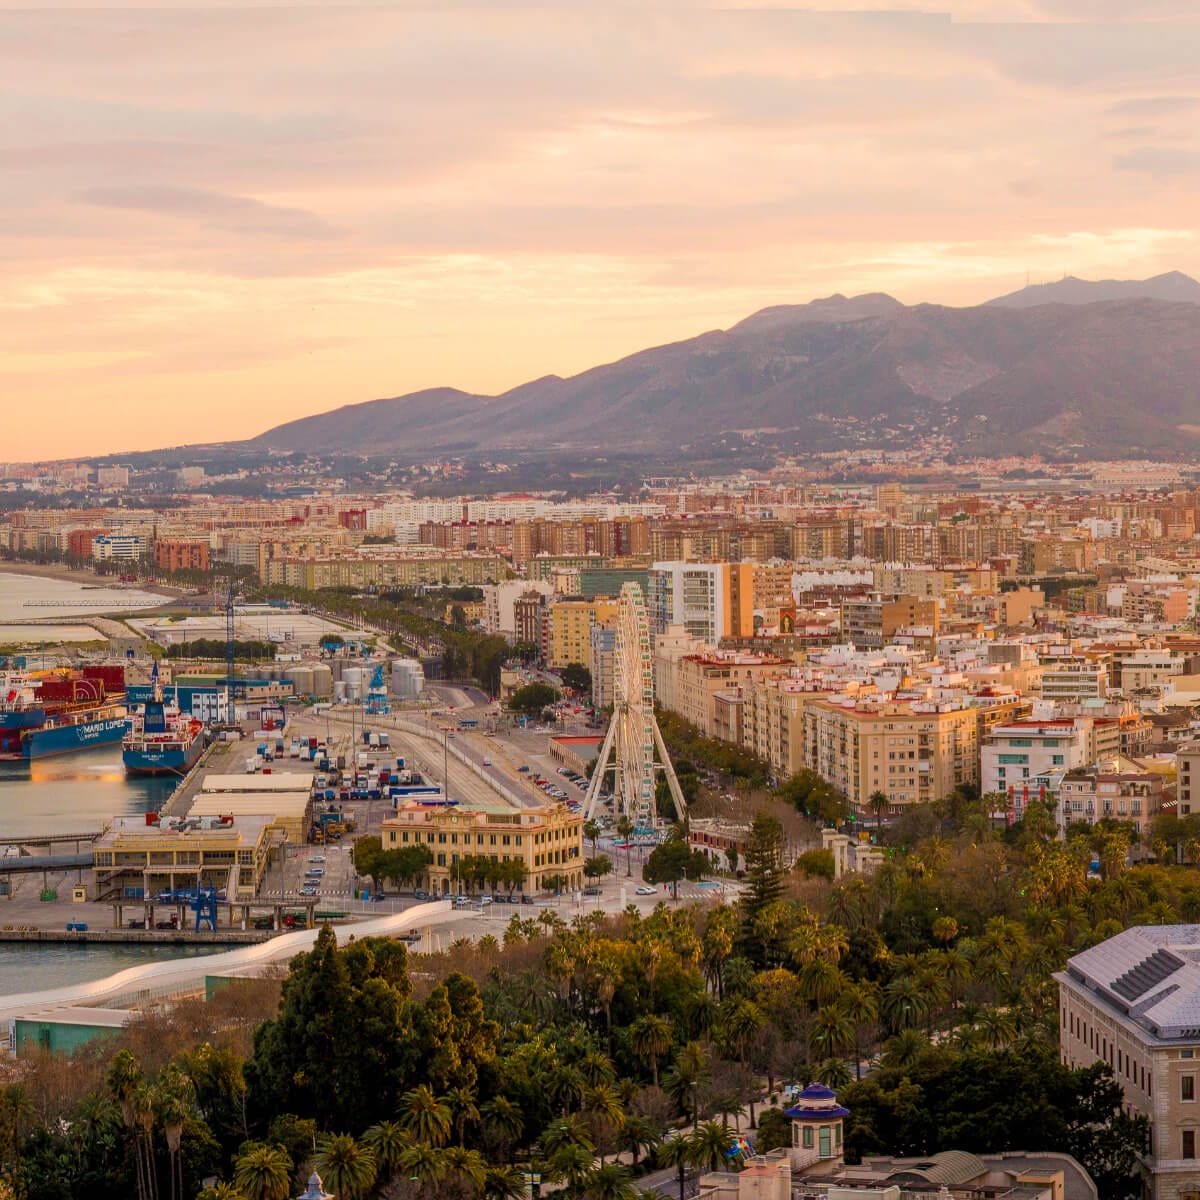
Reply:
x=152, y=937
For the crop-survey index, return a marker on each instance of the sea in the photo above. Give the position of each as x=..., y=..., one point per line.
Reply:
x=69, y=793
x=34, y=597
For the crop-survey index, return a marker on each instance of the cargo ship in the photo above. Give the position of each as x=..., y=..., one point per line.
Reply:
x=60, y=712
x=161, y=740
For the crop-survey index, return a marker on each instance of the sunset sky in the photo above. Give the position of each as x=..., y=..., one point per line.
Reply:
x=214, y=220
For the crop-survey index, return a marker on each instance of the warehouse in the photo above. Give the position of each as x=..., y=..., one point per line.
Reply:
x=289, y=812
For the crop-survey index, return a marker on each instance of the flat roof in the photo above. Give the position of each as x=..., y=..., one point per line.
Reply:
x=237, y=804
x=110, y=1018
x=287, y=781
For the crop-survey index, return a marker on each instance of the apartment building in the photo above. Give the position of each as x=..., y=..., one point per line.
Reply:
x=1187, y=783
x=1117, y=789
x=1013, y=754
x=604, y=653
x=181, y=554
x=693, y=595
x=1133, y=1002
x=111, y=547
x=871, y=622
x=698, y=678
x=773, y=721
x=567, y=630
x=548, y=840
x=1071, y=679
x=914, y=753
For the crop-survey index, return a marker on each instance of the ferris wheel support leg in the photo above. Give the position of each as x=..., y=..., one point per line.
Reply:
x=672, y=781
x=597, y=780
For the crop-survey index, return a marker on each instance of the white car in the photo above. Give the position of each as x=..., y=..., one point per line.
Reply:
x=487, y=762
x=647, y=890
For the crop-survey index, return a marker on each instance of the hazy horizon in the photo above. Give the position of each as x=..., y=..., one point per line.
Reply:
x=218, y=220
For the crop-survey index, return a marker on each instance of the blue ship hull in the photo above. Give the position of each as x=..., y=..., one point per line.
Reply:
x=162, y=762
x=67, y=739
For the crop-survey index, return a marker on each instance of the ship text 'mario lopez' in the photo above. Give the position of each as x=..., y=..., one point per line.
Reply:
x=60, y=712
x=160, y=740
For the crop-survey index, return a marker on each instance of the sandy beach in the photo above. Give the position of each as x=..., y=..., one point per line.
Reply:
x=81, y=576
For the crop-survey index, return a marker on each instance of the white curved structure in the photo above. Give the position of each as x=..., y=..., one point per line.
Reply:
x=178, y=973
x=633, y=749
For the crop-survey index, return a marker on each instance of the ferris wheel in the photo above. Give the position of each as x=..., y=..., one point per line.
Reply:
x=633, y=751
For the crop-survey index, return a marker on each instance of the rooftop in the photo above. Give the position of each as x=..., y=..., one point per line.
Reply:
x=1150, y=975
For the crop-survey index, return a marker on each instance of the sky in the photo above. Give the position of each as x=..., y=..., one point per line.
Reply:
x=216, y=219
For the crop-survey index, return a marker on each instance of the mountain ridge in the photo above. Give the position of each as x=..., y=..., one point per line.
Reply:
x=1110, y=376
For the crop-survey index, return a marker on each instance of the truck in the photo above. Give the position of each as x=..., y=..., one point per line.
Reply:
x=384, y=741
x=373, y=741
x=280, y=747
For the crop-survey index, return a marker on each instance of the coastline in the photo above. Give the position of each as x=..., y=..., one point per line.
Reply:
x=77, y=575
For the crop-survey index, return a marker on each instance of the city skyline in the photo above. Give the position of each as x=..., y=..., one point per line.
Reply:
x=218, y=221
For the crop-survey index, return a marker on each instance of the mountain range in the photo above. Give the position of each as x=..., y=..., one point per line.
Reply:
x=1104, y=369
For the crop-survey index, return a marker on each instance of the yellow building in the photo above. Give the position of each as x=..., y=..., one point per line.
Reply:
x=567, y=630
x=230, y=854
x=912, y=753
x=548, y=840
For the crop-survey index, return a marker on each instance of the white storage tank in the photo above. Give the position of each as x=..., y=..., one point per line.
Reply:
x=301, y=679
x=408, y=678
x=339, y=691
x=322, y=681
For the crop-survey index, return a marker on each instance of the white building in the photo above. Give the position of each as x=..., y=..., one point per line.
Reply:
x=693, y=595
x=110, y=547
x=1012, y=756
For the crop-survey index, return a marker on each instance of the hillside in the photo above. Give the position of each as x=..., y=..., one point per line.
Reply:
x=1114, y=377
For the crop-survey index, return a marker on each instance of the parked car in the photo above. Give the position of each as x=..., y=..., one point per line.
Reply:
x=523, y=769
x=647, y=890
x=420, y=895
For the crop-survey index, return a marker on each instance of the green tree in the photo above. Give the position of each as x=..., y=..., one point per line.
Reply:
x=426, y=1118
x=262, y=1172
x=346, y=1166
x=672, y=861
x=598, y=867
x=532, y=698
x=576, y=677
x=650, y=1039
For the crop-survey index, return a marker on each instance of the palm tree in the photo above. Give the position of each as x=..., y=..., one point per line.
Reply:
x=650, y=1039
x=425, y=1116
x=125, y=1080
x=677, y=1153
x=686, y=1077
x=639, y=1135
x=997, y=1028
x=566, y=1131
x=424, y=1163
x=502, y=1122
x=220, y=1191
x=833, y=1031
x=821, y=981
x=263, y=1172
x=469, y=1167
x=710, y=1143
x=612, y=1182
x=591, y=830
x=625, y=828
x=904, y=1003
x=387, y=1140
x=347, y=1167
x=833, y=1072
x=504, y=1183
x=878, y=803
x=903, y=1050
x=861, y=1004
x=572, y=1163
x=172, y=1099
x=606, y=1116
x=462, y=1104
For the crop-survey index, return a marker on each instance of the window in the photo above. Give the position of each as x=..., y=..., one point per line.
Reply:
x=1189, y=1144
x=1187, y=1087
x=808, y=1137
